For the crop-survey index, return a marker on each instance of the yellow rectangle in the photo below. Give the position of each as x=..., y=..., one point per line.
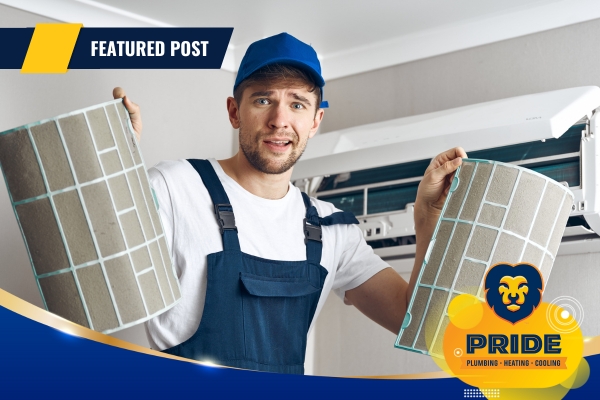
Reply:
x=51, y=48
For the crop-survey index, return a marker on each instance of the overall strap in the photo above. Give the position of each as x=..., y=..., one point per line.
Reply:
x=312, y=228
x=222, y=207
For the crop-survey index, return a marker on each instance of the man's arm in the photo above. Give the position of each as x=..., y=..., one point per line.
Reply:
x=385, y=296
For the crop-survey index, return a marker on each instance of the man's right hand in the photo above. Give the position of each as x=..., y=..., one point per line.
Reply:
x=133, y=109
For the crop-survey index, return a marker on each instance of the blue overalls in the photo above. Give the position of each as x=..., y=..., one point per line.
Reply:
x=257, y=311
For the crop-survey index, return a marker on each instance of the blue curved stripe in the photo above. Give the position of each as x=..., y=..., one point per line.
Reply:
x=38, y=360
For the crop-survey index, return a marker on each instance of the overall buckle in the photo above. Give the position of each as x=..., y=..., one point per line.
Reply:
x=225, y=218
x=312, y=232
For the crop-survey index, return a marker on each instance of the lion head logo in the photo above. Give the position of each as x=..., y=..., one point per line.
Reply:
x=513, y=291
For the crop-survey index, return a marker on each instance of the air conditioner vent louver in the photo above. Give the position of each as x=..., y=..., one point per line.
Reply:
x=558, y=159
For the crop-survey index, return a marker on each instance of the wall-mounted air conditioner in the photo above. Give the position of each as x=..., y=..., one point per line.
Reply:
x=374, y=170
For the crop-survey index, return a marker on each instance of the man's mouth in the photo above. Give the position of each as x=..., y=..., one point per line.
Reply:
x=278, y=145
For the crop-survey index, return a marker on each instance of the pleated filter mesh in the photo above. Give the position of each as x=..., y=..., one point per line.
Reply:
x=494, y=213
x=89, y=218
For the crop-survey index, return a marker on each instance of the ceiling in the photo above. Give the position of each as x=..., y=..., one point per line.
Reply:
x=350, y=36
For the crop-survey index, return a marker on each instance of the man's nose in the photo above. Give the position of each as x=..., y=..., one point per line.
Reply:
x=279, y=117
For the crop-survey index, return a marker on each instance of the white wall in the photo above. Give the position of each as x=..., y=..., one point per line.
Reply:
x=184, y=114
x=347, y=343
x=556, y=59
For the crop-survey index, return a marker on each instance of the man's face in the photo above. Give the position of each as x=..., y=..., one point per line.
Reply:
x=275, y=123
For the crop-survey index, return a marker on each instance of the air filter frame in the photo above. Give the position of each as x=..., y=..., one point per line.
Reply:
x=103, y=262
x=468, y=242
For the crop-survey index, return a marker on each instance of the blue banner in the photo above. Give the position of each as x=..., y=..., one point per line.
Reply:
x=117, y=48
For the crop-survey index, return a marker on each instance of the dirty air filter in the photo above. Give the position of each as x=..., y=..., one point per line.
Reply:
x=89, y=219
x=494, y=213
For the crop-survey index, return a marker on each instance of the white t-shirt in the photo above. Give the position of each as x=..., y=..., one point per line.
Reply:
x=270, y=229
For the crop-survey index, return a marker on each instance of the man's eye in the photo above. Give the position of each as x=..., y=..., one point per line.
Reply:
x=262, y=101
x=298, y=106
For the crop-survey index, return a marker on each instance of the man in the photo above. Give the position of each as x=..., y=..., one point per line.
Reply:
x=256, y=258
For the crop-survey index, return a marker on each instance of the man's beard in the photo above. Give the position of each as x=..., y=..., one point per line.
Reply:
x=265, y=165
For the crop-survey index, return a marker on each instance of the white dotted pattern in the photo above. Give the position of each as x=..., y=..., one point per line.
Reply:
x=482, y=393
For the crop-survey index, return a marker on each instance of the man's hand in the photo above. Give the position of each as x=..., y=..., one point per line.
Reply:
x=133, y=109
x=434, y=189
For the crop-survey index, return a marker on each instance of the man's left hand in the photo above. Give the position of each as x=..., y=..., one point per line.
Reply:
x=434, y=188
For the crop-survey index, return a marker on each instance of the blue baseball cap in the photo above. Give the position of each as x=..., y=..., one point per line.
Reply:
x=284, y=49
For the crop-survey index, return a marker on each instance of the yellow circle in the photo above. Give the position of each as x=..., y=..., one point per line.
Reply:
x=579, y=377
x=465, y=320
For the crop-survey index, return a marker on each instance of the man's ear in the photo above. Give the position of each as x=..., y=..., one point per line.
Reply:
x=316, y=122
x=233, y=111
